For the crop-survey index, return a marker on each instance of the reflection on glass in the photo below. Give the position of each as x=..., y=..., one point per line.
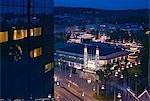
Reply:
x=48, y=67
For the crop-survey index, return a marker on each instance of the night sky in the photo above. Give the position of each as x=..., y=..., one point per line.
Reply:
x=105, y=4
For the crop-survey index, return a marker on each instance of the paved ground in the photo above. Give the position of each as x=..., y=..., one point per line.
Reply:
x=76, y=85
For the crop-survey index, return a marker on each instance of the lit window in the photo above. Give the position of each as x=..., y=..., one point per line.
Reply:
x=36, y=52
x=48, y=67
x=19, y=34
x=3, y=37
x=31, y=32
x=36, y=31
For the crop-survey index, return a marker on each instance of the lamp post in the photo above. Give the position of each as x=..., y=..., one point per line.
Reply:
x=127, y=66
x=136, y=76
x=114, y=94
x=70, y=75
x=122, y=79
x=82, y=95
x=119, y=96
x=49, y=96
x=103, y=88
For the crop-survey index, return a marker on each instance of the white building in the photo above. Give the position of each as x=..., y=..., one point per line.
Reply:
x=91, y=56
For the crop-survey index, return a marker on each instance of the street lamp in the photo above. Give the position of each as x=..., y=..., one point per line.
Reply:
x=70, y=75
x=135, y=75
x=116, y=74
x=122, y=68
x=57, y=97
x=136, y=83
x=119, y=70
x=127, y=66
x=121, y=76
x=119, y=96
x=89, y=81
x=94, y=89
x=49, y=96
x=68, y=84
x=135, y=63
x=139, y=62
x=82, y=94
x=131, y=65
x=102, y=87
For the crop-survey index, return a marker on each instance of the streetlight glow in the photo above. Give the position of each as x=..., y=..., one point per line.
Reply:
x=119, y=95
x=102, y=87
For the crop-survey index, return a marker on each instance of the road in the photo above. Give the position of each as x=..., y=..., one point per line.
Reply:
x=77, y=86
x=62, y=94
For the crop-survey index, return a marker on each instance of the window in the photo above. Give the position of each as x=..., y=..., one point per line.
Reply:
x=48, y=67
x=3, y=37
x=36, y=52
x=36, y=32
x=31, y=32
x=19, y=34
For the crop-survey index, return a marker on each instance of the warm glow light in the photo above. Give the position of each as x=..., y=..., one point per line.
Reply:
x=31, y=32
x=19, y=34
x=35, y=31
x=3, y=37
x=48, y=67
x=36, y=52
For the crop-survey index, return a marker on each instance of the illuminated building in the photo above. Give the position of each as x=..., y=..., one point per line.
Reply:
x=90, y=57
x=26, y=39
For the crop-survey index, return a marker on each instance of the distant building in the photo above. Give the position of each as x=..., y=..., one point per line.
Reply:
x=92, y=56
x=81, y=38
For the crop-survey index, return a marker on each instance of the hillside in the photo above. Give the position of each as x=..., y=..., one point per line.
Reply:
x=87, y=15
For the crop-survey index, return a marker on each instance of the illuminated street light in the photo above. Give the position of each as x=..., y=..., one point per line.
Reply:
x=127, y=66
x=119, y=70
x=94, y=89
x=49, y=96
x=57, y=97
x=68, y=84
x=131, y=65
x=122, y=68
x=139, y=62
x=119, y=95
x=70, y=75
x=82, y=94
x=57, y=83
x=89, y=81
x=116, y=74
x=135, y=63
x=55, y=78
x=121, y=76
x=102, y=87
x=135, y=75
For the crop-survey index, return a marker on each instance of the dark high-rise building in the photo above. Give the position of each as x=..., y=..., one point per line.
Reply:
x=26, y=49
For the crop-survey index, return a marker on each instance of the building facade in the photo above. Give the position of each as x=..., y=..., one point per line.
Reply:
x=90, y=57
x=26, y=41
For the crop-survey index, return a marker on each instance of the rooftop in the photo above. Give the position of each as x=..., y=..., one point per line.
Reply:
x=105, y=49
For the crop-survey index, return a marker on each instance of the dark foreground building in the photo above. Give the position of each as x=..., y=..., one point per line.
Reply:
x=26, y=55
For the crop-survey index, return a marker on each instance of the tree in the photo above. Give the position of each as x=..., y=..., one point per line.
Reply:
x=100, y=73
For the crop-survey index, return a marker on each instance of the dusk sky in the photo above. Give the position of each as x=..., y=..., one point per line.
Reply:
x=104, y=4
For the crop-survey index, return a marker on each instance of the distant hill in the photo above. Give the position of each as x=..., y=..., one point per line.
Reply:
x=101, y=16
